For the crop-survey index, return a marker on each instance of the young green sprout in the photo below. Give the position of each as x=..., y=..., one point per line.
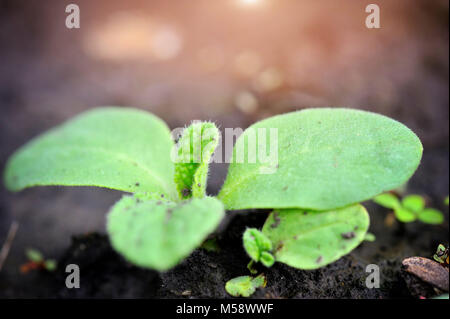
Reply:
x=258, y=247
x=37, y=261
x=322, y=163
x=410, y=208
x=442, y=255
x=245, y=286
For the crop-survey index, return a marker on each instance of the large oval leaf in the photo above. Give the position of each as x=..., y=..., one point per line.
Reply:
x=310, y=240
x=119, y=148
x=159, y=234
x=327, y=158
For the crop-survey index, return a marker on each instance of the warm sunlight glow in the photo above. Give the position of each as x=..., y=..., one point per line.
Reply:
x=250, y=2
x=132, y=36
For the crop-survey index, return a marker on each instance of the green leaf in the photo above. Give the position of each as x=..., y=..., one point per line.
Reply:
x=244, y=286
x=327, y=158
x=157, y=234
x=267, y=259
x=255, y=242
x=387, y=200
x=50, y=265
x=194, y=151
x=34, y=255
x=370, y=237
x=431, y=216
x=404, y=215
x=440, y=254
x=310, y=239
x=118, y=148
x=250, y=245
x=414, y=203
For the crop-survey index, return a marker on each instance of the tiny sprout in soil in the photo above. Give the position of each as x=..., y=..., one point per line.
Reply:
x=410, y=208
x=442, y=255
x=37, y=261
x=245, y=286
x=329, y=160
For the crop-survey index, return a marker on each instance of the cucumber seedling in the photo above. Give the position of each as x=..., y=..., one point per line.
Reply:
x=327, y=161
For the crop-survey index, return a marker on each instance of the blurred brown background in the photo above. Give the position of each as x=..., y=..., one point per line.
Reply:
x=230, y=61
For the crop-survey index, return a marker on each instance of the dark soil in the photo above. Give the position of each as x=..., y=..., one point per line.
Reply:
x=105, y=274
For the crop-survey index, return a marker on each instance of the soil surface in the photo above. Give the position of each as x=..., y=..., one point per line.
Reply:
x=327, y=58
x=105, y=274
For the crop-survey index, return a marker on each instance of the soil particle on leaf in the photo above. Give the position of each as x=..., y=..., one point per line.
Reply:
x=280, y=246
x=168, y=214
x=186, y=192
x=277, y=220
x=348, y=235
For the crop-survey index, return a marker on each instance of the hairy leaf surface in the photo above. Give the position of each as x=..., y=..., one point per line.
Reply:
x=327, y=158
x=157, y=234
x=118, y=148
x=194, y=151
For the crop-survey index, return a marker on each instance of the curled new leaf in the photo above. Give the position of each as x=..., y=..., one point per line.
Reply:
x=193, y=153
x=267, y=259
x=258, y=246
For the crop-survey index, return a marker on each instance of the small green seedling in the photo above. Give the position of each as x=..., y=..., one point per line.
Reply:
x=326, y=162
x=37, y=261
x=410, y=208
x=258, y=247
x=245, y=286
x=442, y=255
